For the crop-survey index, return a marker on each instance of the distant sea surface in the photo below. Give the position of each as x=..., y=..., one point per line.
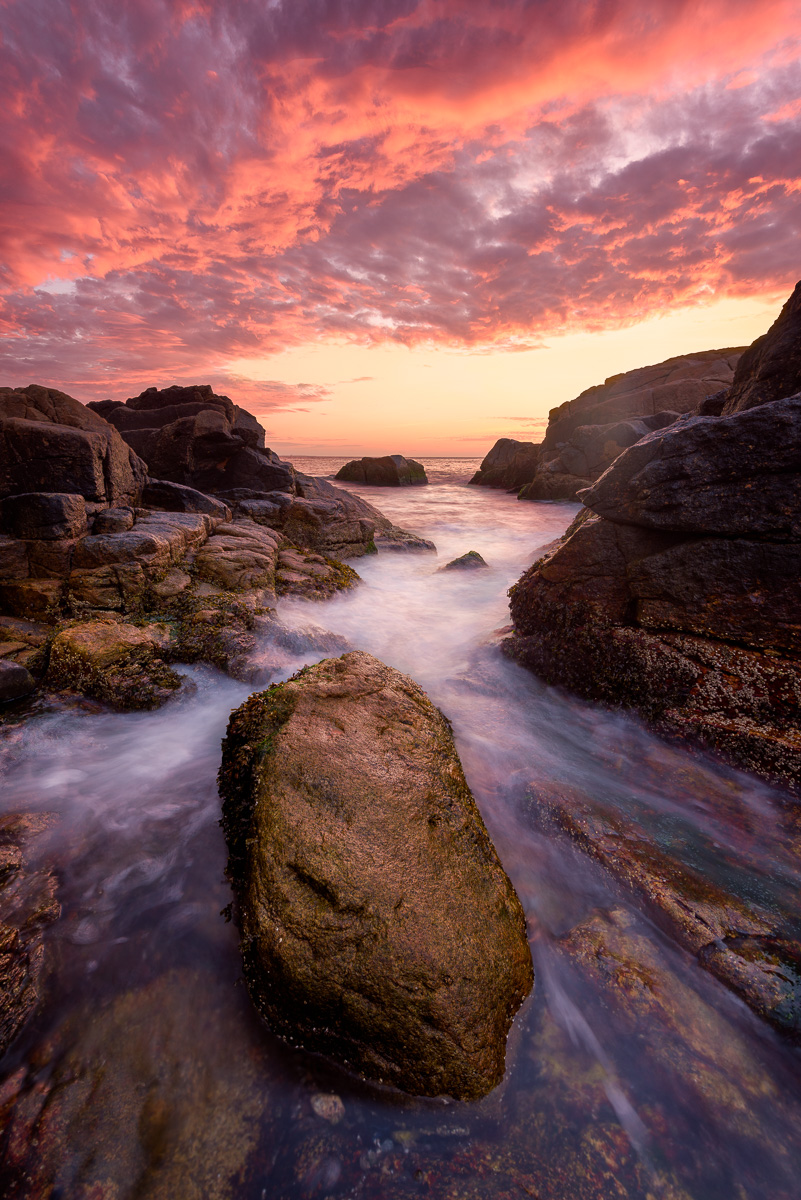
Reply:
x=438, y=470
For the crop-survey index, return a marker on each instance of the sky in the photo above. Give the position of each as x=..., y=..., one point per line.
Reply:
x=391, y=226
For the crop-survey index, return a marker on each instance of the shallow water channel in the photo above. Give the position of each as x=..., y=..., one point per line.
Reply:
x=632, y=1072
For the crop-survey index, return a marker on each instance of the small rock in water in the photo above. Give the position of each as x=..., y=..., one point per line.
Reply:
x=329, y=1107
x=466, y=562
x=378, y=925
x=15, y=681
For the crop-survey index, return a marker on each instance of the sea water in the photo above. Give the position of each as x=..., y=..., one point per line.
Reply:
x=631, y=1071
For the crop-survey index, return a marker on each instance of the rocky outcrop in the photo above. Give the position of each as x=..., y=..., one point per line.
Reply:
x=106, y=541
x=192, y=436
x=509, y=465
x=585, y=435
x=377, y=924
x=175, y=497
x=50, y=443
x=771, y=368
x=67, y=588
x=676, y=592
x=589, y=450
x=737, y=476
x=28, y=905
x=393, y=470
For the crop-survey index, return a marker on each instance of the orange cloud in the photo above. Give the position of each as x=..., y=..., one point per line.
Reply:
x=188, y=183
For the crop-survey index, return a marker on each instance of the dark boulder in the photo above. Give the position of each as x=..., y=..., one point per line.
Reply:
x=510, y=464
x=52, y=443
x=377, y=923
x=586, y=435
x=730, y=476
x=771, y=368
x=192, y=436
x=393, y=470
x=15, y=681
x=471, y=561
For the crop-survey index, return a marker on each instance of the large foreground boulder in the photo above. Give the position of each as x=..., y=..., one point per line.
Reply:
x=393, y=470
x=377, y=923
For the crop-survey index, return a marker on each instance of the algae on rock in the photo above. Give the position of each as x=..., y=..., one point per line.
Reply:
x=378, y=925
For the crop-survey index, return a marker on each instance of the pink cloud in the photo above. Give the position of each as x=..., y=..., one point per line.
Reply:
x=190, y=182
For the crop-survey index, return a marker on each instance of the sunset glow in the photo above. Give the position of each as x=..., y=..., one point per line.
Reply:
x=392, y=225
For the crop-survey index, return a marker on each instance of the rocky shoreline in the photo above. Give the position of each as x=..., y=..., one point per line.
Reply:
x=109, y=572
x=674, y=593
x=676, y=590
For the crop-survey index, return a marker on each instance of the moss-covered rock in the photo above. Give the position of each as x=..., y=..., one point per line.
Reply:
x=378, y=925
x=112, y=661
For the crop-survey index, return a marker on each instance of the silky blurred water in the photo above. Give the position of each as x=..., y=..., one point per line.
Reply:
x=631, y=1072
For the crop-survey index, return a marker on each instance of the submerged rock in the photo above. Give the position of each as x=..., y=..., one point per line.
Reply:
x=748, y=943
x=393, y=470
x=377, y=923
x=27, y=905
x=159, y=1094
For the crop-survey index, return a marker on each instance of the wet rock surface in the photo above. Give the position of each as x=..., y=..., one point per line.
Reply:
x=28, y=904
x=335, y=895
x=113, y=661
x=750, y=944
x=393, y=470
x=175, y=1113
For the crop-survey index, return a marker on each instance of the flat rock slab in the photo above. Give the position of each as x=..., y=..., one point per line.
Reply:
x=378, y=925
